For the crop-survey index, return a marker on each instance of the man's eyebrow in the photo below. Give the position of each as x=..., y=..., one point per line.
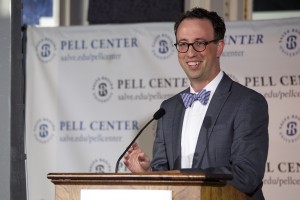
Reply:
x=197, y=39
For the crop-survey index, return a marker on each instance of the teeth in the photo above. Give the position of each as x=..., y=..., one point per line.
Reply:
x=193, y=63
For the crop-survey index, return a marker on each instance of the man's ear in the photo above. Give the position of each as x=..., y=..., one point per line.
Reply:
x=220, y=47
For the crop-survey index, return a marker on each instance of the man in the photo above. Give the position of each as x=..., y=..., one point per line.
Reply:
x=225, y=130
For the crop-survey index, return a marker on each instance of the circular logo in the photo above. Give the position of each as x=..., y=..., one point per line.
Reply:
x=100, y=166
x=162, y=46
x=45, y=50
x=44, y=130
x=289, y=128
x=290, y=42
x=102, y=89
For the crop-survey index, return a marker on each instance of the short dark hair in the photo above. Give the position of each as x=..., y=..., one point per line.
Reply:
x=200, y=13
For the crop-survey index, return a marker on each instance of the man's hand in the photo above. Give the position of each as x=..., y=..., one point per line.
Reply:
x=136, y=160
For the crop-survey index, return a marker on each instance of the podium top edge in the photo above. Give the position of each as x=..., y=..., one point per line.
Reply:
x=168, y=175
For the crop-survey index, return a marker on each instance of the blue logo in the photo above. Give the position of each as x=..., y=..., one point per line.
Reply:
x=45, y=50
x=100, y=166
x=290, y=42
x=162, y=46
x=44, y=130
x=102, y=89
x=289, y=129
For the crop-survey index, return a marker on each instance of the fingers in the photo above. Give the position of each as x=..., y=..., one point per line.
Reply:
x=132, y=148
x=144, y=161
x=136, y=160
x=135, y=146
x=142, y=157
x=126, y=156
x=126, y=163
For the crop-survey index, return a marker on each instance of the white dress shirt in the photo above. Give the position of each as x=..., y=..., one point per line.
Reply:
x=192, y=122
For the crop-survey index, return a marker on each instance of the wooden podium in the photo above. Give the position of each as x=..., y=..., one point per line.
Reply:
x=187, y=186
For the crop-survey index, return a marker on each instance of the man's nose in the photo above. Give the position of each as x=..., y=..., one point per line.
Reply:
x=191, y=51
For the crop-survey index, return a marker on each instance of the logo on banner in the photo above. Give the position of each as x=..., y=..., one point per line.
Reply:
x=45, y=49
x=100, y=166
x=289, y=129
x=162, y=46
x=44, y=130
x=290, y=42
x=102, y=89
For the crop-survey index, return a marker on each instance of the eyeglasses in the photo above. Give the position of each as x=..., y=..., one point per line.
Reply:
x=198, y=46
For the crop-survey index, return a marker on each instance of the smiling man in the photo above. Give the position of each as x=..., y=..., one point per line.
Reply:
x=216, y=125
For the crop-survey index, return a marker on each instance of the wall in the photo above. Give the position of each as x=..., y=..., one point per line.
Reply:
x=5, y=75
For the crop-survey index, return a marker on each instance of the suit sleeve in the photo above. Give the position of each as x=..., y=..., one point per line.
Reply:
x=160, y=161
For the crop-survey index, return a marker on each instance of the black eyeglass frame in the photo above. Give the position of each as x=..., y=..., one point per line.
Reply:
x=205, y=43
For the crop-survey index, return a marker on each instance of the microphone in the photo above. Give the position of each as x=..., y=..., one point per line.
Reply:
x=157, y=115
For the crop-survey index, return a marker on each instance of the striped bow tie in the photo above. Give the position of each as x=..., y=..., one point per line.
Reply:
x=189, y=98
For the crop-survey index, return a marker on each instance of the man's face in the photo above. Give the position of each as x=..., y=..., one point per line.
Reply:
x=200, y=67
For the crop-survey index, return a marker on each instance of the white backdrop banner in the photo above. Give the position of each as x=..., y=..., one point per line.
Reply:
x=90, y=89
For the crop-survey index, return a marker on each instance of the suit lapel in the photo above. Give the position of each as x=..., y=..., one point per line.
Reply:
x=176, y=131
x=219, y=98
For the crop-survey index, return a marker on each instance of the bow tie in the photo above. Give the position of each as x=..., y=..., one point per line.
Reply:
x=189, y=98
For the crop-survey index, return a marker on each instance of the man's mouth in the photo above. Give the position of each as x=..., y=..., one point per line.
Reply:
x=193, y=64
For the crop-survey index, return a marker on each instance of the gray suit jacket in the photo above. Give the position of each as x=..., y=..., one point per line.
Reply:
x=233, y=138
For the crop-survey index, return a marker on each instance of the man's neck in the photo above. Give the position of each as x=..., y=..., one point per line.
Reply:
x=199, y=85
